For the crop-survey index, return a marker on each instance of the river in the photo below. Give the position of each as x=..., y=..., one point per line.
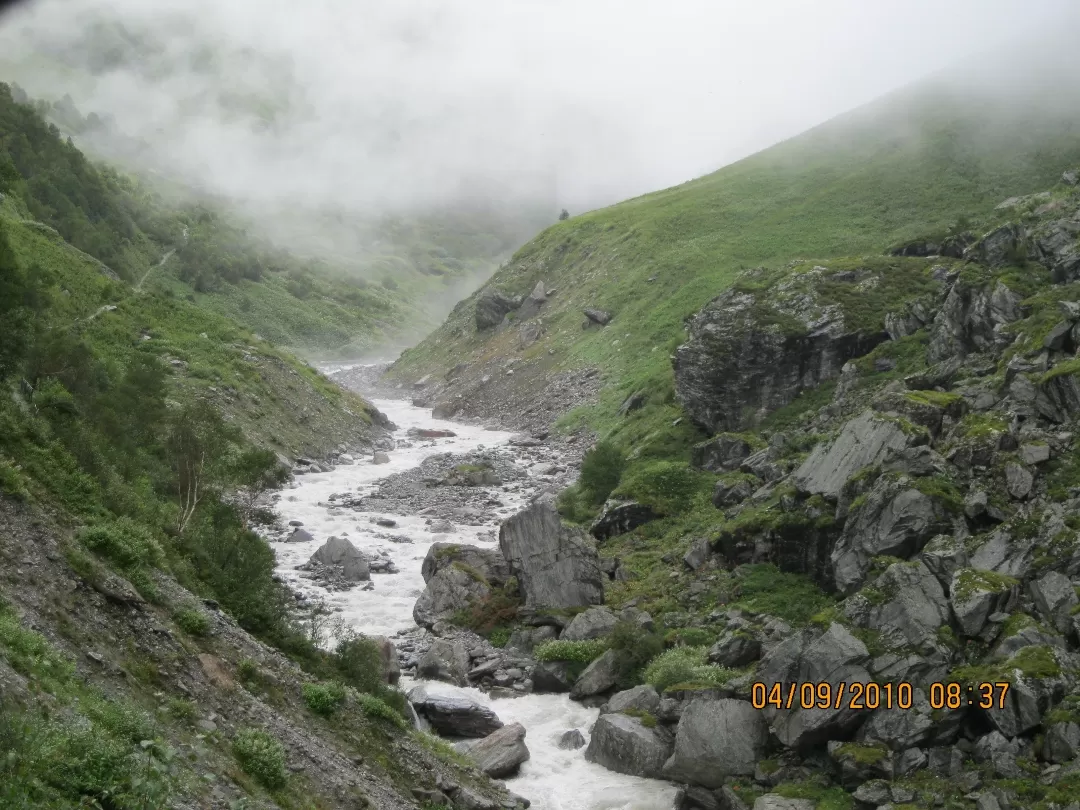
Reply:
x=552, y=779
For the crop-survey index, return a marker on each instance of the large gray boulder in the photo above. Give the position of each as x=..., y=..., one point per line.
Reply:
x=340, y=553
x=449, y=591
x=975, y=596
x=723, y=453
x=619, y=517
x=625, y=744
x=642, y=698
x=501, y=753
x=1055, y=597
x=835, y=657
x=864, y=442
x=894, y=520
x=736, y=365
x=596, y=622
x=489, y=564
x=492, y=306
x=445, y=660
x=716, y=739
x=600, y=676
x=556, y=565
x=454, y=716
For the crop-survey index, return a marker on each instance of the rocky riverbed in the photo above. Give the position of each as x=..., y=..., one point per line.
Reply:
x=446, y=485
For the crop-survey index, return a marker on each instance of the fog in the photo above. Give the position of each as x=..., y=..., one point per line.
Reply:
x=390, y=104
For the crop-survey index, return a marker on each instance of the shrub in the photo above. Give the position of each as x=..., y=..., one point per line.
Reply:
x=192, y=621
x=685, y=665
x=690, y=637
x=378, y=708
x=323, y=698
x=634, y=649
x=261, y=757
x=359, y=663
x=668, y=486
x=123, y=542
x=601, y=469
x=577, y=652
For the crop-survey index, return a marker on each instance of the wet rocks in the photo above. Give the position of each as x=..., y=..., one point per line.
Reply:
x=452, y=589
x=571, y=740
x=454, y=716
x=342, y=556
x=488, y=565
x=599, y=677
x=501, y=753
x=556, y=565
x=445, y=660
x=716, y=739
x=625, y=744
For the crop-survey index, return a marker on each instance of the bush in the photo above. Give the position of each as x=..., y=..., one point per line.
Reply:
x=669, y=487
x=192, y=621
x=123, y=542
x=323, y=698
x=634, y=649
x=360, y=665
x=601, y=469
x=577, y=652
x=379, y=709
x=685, y=666
x=261, y=757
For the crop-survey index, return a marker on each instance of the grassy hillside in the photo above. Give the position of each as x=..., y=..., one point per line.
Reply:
x=909, y=165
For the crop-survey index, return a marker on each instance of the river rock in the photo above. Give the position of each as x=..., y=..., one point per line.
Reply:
x=571, y=740
x=379, y=457
x=552, y=677
x=500, y=754
x=454, y=716
x=391, y=668
x=556, y=565
x=716, y=739
x=488, y=564
x=445, y=660
x=643, y=698
x=450, y=590
x=600, y=676
x=299, y=535
x=596, y=622
x=863, y=442
x=625, y=745
x=339, y=552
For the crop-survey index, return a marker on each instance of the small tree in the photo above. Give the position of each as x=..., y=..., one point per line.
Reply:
x=254, y=473
x=197, y=445
x=564, y=215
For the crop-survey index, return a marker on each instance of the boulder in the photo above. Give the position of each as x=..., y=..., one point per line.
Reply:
x=1055, y=597
x=1062, y=742
x=299, y=535
x=445, y=660
x=552, y=677
x=391, y=668
x=596, y=622
x=492, y=306
x=619, y=517
x=770, y=801
x=698, y=554
x=571, y=740
x=454, y=716
x=642, y=698
x=1018, y=481
x=863, y=442
x=379, y=457
x=500, y=754
x=598, y=316
x=450, y=590
x=556, y=565
x=626, y=745
x=834, y=657
x=732, y=493
x=600, y=676
x=908, y=608
x=716, y=739
x=735, y=649
x=894, y=520
x=975, y=596
x=488, y=564
x=736, y=365
x=340, y=553
x=900, y=729
x=723, y=453
x=528, y=639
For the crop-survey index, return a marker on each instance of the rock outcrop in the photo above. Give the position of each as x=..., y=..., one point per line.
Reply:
x=556, y=565
x=716, y=739
x=492, y=306
x=625, y=744
x=501, y=753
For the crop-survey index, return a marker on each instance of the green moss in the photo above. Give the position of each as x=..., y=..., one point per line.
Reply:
x=648, y=720
x=936, y=399
x=972, y=581
x=982, y=425
x=791, y=597
x=862, y=754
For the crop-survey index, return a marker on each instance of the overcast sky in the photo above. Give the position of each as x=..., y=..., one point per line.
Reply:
x=394, y=102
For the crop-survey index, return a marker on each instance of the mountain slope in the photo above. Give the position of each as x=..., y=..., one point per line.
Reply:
x=908, y=166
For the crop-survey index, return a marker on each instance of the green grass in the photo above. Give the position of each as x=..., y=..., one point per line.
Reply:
x=579, y=652
x=685, y=667
x=323, y=698
x=261, y=756
x=791, y=597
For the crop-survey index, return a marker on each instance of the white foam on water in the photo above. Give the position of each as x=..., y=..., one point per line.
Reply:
x=552, y=779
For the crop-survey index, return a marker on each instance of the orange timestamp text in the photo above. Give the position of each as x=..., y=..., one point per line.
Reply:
x=810, y=695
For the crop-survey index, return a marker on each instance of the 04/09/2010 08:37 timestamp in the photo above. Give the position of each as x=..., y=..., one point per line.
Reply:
x=810, y=695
